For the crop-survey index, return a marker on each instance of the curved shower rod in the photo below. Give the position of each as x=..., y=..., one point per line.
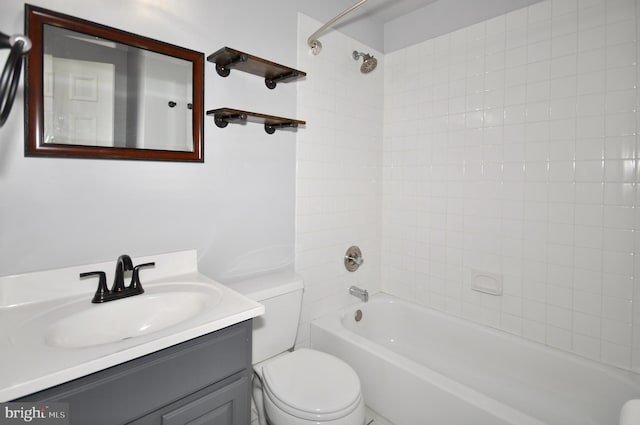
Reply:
x=314, y=43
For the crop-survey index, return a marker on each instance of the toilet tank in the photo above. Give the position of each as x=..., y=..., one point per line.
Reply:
x=281, y=294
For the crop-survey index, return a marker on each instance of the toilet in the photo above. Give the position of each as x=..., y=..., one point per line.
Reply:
x=300, y=387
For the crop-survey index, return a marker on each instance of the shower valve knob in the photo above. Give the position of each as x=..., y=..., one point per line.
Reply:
x=353, y=259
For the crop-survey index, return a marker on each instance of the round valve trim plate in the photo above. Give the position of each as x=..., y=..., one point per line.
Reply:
x=353, y=258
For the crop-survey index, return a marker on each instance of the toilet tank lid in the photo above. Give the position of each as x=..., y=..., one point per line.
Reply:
x=269, y=285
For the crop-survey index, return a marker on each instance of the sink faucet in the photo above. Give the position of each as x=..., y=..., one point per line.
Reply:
x=123, y=264
x=363, y=294
x=118, y=290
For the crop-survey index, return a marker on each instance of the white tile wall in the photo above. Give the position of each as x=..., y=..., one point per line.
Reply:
x=510, y=146
x=339, y=172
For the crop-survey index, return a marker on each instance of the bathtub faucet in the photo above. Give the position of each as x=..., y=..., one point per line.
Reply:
x=363, y=294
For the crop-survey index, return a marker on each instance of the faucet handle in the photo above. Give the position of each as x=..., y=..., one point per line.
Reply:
x=353, y=258
x=135, y=278
x=102, y=290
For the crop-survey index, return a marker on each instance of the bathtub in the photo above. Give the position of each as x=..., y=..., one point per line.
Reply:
x=418, y=366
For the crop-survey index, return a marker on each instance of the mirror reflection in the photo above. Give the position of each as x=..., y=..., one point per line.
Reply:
x=94, y=91
x=99, y=92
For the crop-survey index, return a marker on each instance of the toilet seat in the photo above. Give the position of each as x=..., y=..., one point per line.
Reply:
x=312, y=385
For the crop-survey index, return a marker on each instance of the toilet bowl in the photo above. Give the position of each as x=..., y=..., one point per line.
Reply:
x=310, y=387
x=300, y=387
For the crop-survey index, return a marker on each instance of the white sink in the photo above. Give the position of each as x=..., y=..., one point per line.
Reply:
x=129, y=317
x=80, y=324
x=51, y=333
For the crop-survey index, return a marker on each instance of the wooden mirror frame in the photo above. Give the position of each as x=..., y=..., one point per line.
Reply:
x=35, y=19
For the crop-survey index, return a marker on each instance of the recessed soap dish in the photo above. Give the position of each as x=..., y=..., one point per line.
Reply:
x=486, y=282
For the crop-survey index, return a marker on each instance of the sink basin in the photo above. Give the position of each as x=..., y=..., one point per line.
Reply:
x=81, y=324
x=51, y=333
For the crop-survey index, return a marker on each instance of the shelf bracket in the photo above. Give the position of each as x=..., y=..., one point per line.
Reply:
x=271, y=128
x=272, y=82
x=225, y=70
x=223, y=121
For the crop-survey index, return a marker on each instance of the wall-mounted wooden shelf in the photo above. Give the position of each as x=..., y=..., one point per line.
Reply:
x=223, y=116
x=273, y=73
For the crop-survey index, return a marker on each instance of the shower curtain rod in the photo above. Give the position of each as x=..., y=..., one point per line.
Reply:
x=314, y=43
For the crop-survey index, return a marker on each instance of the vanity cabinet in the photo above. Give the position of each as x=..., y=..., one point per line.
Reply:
x=206, y=380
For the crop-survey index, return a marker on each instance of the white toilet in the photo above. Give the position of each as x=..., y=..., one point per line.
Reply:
x=300, y=387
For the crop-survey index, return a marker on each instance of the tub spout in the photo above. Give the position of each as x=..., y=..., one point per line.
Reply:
x=363, y=294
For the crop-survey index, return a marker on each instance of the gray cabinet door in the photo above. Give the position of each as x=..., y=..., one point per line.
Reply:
x=224, y=403
x=226, y=406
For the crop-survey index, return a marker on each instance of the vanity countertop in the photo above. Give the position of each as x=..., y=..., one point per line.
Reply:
x=31, y=363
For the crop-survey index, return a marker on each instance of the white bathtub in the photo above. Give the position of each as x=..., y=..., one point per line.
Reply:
x=422, y=367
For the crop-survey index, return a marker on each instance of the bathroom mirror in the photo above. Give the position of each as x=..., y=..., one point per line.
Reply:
x=98, y=92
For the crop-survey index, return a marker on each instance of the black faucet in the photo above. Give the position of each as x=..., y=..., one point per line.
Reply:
x=118, y=290
x=123, y=264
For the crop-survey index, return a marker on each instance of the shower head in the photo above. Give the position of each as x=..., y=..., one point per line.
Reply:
x=369, y=63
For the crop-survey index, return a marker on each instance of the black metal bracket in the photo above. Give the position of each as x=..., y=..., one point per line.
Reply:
x=271, y=128
x=272, y=82
x=225, y=70
x=223, y=121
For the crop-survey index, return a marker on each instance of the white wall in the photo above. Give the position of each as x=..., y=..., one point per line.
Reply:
x=510, y=146
x=339, y=170
x=440, y=17
x=237, y=208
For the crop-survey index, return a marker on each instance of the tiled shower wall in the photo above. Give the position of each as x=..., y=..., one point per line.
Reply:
x=510, y=147
x=339, y=172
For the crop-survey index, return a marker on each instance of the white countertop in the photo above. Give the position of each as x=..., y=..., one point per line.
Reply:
x=29, y=364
